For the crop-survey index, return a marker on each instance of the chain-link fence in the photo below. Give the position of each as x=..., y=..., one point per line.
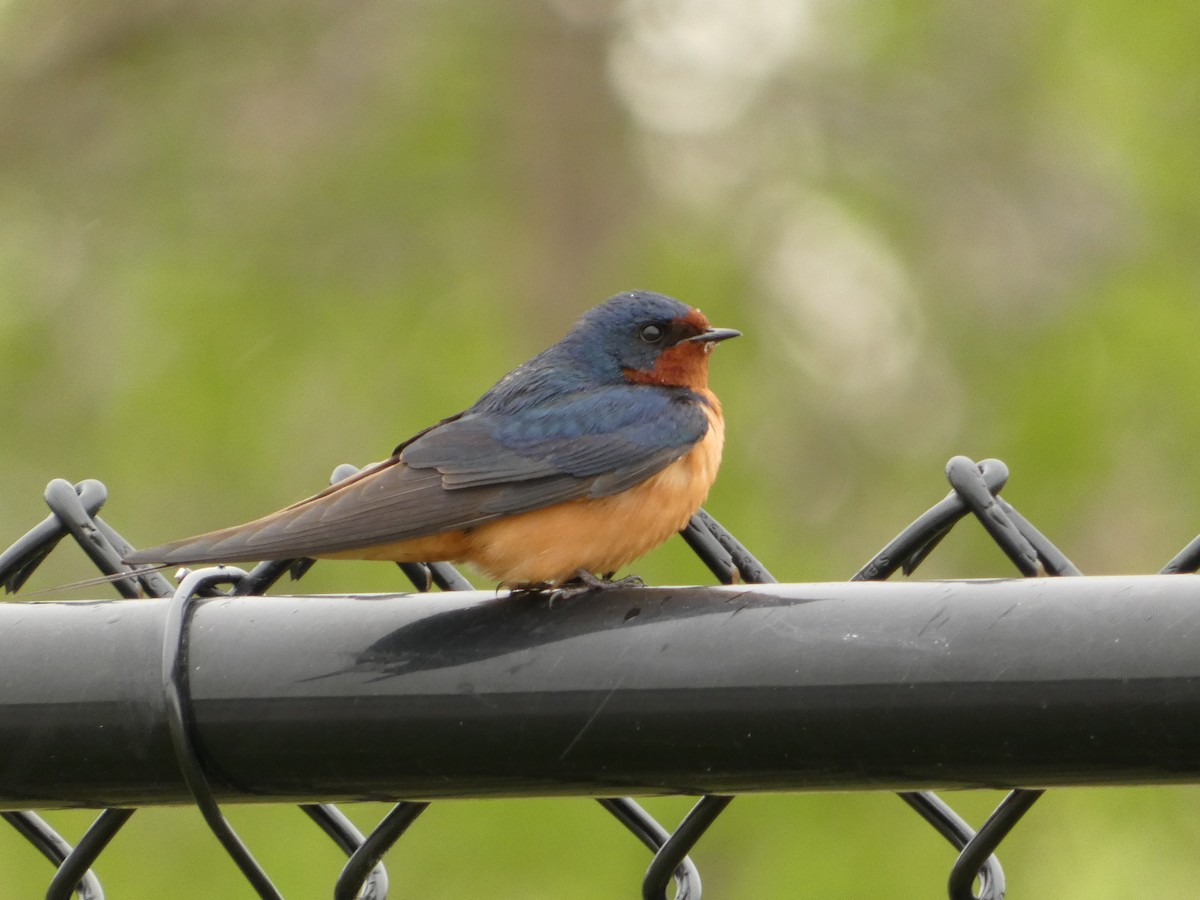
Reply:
x=213, y=693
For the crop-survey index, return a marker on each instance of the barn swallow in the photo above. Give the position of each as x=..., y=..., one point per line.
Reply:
x=577, y=462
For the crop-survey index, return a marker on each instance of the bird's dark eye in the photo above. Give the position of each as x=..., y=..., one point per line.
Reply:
x=652, y=334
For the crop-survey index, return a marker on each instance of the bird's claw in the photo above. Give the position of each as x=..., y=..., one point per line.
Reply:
x=527, y=589
x=585, y=582
x=607, y=582
x=582, y=582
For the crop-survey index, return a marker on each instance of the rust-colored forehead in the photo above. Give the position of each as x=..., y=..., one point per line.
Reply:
x=695, y=319
x=684, y=363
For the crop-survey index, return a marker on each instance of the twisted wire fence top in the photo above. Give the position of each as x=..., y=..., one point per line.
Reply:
x=195, y=756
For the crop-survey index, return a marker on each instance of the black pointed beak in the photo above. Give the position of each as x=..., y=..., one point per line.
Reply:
x=712, y=335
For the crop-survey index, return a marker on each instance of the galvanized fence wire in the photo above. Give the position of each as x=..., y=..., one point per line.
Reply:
x=74, y=512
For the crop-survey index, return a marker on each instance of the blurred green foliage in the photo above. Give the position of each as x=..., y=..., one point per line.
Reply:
x=242, y=244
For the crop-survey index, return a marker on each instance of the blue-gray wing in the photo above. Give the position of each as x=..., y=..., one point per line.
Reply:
x=607, y=439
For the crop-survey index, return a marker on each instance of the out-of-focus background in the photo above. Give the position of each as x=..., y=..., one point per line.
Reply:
x=241, y=244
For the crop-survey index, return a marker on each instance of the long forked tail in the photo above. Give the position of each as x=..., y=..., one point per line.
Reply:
x=382, y=504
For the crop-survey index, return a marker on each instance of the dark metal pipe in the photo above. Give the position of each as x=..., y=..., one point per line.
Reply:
x=1034, y=682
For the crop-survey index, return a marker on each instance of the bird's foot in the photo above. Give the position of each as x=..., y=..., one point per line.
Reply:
x=527, y=589
x=582, y=582
x=585, y=582
x=607, y=582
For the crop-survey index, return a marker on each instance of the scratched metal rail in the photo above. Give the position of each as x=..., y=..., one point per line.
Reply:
x=866, y=685
x=211, y=693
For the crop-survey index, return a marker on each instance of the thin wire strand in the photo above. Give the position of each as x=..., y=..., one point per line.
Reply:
x=76, y=867
x=179, y=720
x=54, y=847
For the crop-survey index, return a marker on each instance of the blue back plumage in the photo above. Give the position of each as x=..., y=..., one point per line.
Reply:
x=571, y=413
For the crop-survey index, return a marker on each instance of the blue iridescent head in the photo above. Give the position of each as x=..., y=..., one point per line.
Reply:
x=643, y=337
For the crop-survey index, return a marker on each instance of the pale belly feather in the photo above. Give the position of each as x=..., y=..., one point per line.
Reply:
x=599, y=535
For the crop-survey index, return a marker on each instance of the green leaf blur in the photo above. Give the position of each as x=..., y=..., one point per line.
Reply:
x=241, y=244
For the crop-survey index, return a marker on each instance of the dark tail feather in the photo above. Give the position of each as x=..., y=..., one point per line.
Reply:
x=228, y=545
x=90, y=582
